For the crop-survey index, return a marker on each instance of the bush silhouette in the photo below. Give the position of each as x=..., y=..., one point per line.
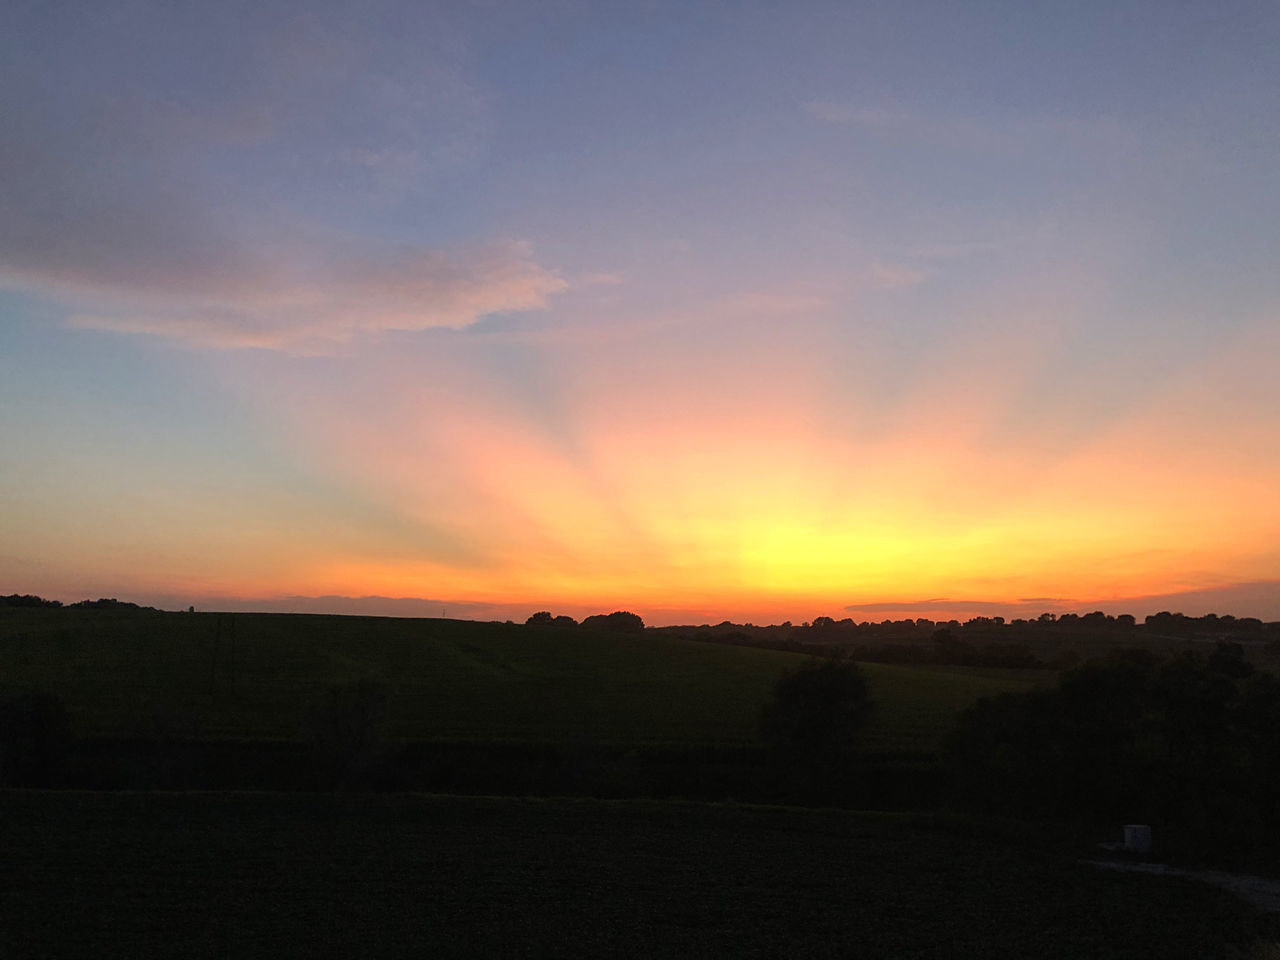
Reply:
x=620, y=621
x=817, y=709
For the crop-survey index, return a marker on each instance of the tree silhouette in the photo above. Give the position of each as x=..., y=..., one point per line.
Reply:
x=817, y=709
x=620, y=621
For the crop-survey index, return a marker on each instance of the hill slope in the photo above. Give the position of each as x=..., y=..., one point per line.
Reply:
x=137, y=672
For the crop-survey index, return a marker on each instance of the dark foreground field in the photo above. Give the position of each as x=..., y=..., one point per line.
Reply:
x=269, y=875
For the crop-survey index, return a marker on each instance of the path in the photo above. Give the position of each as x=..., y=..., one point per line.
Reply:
x=1261, y=892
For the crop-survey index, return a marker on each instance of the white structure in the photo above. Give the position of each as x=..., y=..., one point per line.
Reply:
x=1137, y=838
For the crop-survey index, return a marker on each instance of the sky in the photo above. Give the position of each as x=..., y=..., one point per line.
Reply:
x=708, y=311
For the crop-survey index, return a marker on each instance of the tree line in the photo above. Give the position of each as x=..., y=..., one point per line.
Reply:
x=620, y=621
x=1050, y=641
x=30, y=600
x=1189, y=744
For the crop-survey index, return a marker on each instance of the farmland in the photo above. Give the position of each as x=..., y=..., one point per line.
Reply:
x=264, y=875
x=212, y=676
x=536, y=726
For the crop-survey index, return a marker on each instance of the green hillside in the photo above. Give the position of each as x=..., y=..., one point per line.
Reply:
x=143, y=673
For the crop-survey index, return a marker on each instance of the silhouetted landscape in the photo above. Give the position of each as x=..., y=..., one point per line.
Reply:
x=666, y=795
x=669, y=479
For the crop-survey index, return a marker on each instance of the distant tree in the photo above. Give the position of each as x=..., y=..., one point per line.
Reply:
x=27, y=600
x=620, y=621
x=1228, y=658
x=817, y=709
x=1165, y=622
x=540, y=619
x=110, y=603
x=563, y=621
x=948, y=648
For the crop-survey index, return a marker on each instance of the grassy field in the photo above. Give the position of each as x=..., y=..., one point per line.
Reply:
x=136, y=673
x=267, y=875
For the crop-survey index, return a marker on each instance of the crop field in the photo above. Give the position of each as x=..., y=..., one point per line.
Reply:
x=267, y=875
x=139, y=673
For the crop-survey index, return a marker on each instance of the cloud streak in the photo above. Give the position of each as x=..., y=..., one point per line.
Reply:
x=410, y=289
x=1259, y=598
x=237, y=203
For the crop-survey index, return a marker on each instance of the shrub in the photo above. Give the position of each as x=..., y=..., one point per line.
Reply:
x=817, y=709
x=620, y=621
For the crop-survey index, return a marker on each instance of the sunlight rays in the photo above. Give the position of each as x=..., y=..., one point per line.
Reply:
x=739, y=488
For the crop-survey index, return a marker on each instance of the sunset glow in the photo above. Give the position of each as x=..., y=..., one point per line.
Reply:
x=705, y=314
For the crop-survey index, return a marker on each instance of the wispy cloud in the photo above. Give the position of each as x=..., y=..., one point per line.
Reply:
x=239, y=207
x=411, y=289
